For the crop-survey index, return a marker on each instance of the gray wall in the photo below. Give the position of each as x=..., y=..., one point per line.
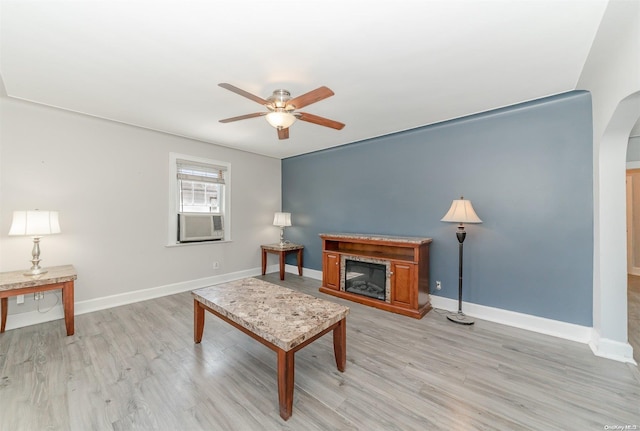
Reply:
x=633, y=150
x=110, y=182
x=527, y=170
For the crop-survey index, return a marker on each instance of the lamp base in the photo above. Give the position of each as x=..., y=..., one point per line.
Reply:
x=35, y=271
x=282, y=242
x=460, y=318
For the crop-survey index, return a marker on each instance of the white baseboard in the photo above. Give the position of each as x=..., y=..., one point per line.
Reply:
x=20, y=320
x=311, y=273
x=564, y=330
x=567, y=331
x=34, y=317
x=622, y=352
x=611, y=349
x=602, y=347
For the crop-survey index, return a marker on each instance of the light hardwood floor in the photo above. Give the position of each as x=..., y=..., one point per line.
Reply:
x=136, y=367
x=633, y=316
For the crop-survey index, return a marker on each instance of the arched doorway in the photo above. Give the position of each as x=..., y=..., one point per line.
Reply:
x=610, y=337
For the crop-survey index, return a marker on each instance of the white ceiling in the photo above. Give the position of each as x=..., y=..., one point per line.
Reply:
x=393, y=65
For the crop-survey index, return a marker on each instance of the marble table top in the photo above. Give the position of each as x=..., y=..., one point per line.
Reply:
x=284, y=317
x=55, y=274
x=287, y=246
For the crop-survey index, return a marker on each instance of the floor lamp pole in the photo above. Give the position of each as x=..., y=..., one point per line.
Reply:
x=460, y=317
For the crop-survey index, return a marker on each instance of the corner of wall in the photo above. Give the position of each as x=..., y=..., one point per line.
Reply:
x=611, y=349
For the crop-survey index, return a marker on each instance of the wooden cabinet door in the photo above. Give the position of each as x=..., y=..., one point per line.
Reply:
x=331, y=271
x=402, y=280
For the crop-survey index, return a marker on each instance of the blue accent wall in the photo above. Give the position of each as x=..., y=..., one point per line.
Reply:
x=527, y=169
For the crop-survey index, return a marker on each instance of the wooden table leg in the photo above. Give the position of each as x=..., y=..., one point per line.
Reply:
x=67, y=304
x=300, y=262
x=5, y=309
x=198, y=321
x=286, y=365
x=283, y=258
x=340, y=344
x=264, y=261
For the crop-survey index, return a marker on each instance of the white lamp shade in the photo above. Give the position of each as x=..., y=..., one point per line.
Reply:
x=280, y=120
x=282, y=219
x=34, y=223
x=461, y=211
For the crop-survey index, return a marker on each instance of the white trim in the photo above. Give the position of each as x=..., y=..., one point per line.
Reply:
x=611, y=349
x=633, y=165
x=20, y=320
x=172, y=206
x=556, y=328
x=307, y=272
x=188, y=244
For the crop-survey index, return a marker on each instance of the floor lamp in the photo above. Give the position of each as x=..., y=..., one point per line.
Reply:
x=461, y=211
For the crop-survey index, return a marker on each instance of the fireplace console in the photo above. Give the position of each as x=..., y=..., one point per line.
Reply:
x=386, y=272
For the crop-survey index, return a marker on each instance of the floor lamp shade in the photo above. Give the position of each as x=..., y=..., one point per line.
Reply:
x=461, y=212
x=36, y=224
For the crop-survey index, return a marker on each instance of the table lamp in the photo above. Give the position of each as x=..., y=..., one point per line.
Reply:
x=35, y=223
x=461, y=211
x=282, y=220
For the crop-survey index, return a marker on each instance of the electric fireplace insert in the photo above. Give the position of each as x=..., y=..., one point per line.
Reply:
x=367, y=277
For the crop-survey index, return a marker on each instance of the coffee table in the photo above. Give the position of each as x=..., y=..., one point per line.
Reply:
x=282, y=319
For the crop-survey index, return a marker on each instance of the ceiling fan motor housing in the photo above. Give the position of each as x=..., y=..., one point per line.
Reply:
x=278, y=101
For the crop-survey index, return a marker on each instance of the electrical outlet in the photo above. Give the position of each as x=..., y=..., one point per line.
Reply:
x=216, y=264
x=38, y=296
x=20, y=299
x=438, y=285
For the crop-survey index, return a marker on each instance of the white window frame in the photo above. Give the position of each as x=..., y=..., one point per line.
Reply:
x=174, y=203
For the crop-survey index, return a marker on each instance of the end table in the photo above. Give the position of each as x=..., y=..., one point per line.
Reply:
x=58, y=277
x=282, y=251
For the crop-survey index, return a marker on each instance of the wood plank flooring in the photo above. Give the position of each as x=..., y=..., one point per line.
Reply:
x=633, y=316
x=136, y=367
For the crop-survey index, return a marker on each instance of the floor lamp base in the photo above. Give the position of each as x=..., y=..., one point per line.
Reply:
x=460, y=318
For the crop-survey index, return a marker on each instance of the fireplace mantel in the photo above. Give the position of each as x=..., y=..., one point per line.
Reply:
x=407, y=261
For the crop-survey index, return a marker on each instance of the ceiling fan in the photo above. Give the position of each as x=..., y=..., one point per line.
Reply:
x=281, y=107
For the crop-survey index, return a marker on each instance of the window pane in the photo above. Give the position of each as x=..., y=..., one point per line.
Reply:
x=196, y=196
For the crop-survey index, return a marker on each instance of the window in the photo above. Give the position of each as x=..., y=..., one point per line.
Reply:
x=198, y=187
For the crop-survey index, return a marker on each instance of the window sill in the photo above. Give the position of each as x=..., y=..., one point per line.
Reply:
x=188, y=244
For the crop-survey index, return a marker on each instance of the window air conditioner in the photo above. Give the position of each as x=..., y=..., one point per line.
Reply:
x=193, y=227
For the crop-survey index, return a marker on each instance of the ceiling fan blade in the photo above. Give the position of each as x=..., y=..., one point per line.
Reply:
x=243, y=93
x=311, y=97
x=283, y=133
x=315, y=119
x=244, y=117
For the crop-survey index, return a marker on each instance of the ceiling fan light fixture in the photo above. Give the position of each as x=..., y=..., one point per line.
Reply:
x=280, y=120
x=282, y=108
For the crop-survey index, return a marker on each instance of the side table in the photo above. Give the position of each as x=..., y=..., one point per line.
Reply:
x=57, y=277
x=282, y=251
